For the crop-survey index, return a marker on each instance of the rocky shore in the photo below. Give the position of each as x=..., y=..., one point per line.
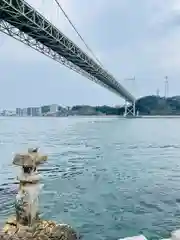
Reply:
x=42, y=230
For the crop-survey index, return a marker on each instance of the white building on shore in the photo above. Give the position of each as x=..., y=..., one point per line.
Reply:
x=53, y=108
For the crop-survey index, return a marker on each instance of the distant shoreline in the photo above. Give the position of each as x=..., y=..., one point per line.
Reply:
x=146, y=107
x=102, y=116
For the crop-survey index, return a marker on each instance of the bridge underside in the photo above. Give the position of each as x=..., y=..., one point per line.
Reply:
x=19, y=20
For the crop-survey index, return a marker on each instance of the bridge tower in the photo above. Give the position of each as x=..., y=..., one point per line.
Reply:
x=130, y=109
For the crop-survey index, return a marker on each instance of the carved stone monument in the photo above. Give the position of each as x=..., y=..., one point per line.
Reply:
x=26, y=224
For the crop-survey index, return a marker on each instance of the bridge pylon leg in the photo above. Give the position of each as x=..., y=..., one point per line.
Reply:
x=134, y=108
x=125, y=109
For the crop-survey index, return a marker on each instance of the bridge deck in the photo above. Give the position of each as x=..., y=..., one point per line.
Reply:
x=25, y=18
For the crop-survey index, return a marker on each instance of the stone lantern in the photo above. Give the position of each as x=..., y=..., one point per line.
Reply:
x=26, y=224
x=26, y=204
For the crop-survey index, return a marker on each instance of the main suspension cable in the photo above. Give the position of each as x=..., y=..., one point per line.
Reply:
x=90, y=50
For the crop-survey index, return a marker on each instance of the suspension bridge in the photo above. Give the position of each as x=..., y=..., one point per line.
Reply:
x=24, y=23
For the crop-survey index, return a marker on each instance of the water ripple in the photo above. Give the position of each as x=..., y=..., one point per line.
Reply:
x=108, y=177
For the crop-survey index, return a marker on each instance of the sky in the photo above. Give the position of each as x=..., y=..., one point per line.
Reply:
x=130, y=37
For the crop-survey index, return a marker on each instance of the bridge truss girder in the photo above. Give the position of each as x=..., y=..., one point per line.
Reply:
x=22, y=22
x=11, y=31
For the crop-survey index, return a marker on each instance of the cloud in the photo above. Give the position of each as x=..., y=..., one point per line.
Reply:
x=131, y=38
